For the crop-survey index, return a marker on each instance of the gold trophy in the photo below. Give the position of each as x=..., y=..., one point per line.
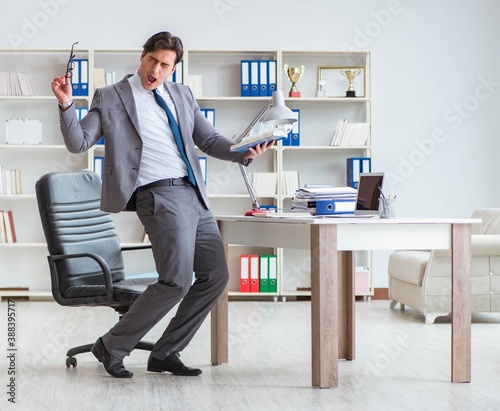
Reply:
x=350, y=75
x=294, y=74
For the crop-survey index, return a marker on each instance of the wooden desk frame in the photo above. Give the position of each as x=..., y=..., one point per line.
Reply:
x=332, y=243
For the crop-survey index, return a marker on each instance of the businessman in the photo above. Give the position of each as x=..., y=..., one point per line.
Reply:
x=151, y=128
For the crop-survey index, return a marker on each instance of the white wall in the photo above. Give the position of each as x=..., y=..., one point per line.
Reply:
x=431, y=61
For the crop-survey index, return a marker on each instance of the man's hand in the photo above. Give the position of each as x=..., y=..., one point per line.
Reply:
x=61, y=87
x=258, y=150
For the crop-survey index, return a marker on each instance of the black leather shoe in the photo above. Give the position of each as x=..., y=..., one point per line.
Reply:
x=171, y=364
x=112, y=365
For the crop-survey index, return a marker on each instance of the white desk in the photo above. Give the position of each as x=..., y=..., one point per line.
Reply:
x=332, y=243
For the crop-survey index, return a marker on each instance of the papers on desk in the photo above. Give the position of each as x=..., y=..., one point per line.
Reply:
x=327, y=192
x=325, y=200
x=287, y=215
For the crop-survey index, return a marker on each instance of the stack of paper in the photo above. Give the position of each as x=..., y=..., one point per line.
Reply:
x=338, y=200
x=15, y=84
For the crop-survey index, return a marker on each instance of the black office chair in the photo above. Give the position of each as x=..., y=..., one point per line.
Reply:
x=85, y=256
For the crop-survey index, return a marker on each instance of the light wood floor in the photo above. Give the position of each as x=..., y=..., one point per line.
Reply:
x=401, y=364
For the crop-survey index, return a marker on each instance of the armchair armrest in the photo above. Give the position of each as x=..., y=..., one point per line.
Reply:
x=481, y=245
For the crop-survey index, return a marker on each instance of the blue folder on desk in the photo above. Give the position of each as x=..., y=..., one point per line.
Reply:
x=335, y=206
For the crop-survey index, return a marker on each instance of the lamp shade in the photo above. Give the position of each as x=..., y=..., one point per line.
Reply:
x=279, y=114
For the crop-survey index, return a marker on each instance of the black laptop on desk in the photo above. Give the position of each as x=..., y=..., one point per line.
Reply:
x=367, y=199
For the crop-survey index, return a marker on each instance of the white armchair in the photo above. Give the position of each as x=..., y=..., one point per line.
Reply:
x=422, y=279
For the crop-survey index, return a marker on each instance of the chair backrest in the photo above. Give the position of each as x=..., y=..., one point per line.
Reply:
x=69, y=206
x=490, y=221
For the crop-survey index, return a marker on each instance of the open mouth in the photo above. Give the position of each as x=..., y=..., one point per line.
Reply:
x=151, y=79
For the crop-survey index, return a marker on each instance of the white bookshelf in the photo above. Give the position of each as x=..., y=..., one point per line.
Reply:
x=315, y=160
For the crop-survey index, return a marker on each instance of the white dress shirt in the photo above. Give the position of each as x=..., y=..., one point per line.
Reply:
x=160, y=155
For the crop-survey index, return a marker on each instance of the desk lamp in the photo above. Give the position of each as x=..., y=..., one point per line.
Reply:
x=275, y=115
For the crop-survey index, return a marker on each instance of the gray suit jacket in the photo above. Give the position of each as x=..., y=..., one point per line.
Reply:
x=113, y=114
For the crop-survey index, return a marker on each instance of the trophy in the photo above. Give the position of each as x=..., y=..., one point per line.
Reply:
x=320, y=92
x=294, y=75
x=350, y=75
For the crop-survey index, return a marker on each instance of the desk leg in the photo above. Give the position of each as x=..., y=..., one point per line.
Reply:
x=324, y=305
x=461, y=303
x=219, y=326
x=219, y=330
x=346, y=269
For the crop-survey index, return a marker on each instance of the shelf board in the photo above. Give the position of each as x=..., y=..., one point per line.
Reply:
x=228, y=196
x=296, y=294
x=33, y=146
x=23, y=245
x=328, y=99
x=322, y=100
x=17, y=196
x=21, y=293
x=326, y=147
x=48, y=98
x=240, y=294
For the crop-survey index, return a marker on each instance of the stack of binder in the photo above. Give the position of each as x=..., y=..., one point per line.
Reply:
x=325, y=200
x=258, y=78
x=354, y=167
x=258, y=273
x=80, y=78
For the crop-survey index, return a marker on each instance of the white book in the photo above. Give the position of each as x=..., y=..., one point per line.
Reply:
x=336, y=132
x=265, y=183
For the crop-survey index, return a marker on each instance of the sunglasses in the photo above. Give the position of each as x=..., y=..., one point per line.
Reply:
x=71, y=64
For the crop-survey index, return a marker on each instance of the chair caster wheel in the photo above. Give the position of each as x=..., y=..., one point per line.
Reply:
x=71, y=361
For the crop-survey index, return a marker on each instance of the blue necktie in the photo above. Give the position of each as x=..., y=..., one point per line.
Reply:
x=177, y=134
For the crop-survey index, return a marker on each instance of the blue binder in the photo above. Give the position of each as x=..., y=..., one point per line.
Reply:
x=263, y=78
x=209, y=114
x=271, y=75
x=98, y=165
x=245, y=78
x=354, y=167
x=295, y=139
x=341, y=206
x=80, y=79
x=254, y=78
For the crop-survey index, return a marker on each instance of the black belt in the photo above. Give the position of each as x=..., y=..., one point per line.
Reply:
x=166, y=182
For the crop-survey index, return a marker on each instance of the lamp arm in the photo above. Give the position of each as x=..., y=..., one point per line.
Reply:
x=261, y=114
x=250, y=188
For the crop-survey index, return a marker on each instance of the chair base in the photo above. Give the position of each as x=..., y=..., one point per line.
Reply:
x=70, y=355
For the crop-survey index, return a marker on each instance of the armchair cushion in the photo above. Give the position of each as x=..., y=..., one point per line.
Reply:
x=400, y=262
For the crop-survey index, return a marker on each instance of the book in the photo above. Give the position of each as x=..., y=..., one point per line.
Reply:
x=261, y=138
x=10, y=232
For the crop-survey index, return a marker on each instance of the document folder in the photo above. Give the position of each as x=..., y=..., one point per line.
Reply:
x=325, y=207
x=264, y=273
x=273, y=274
x=244, y=273
x=254, y=273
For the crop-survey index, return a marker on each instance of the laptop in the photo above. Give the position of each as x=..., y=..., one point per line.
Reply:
x=367, y=199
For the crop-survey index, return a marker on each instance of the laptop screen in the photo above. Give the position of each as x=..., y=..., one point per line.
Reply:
x=369, y=189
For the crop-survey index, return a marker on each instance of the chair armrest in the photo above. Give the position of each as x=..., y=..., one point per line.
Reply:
x=481, y=245
x=108, y=282
x=136, y=247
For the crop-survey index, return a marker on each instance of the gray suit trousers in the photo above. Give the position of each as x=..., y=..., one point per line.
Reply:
x=185, y=239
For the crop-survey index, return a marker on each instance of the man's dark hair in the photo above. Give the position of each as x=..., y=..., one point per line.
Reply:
x=165, y=41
